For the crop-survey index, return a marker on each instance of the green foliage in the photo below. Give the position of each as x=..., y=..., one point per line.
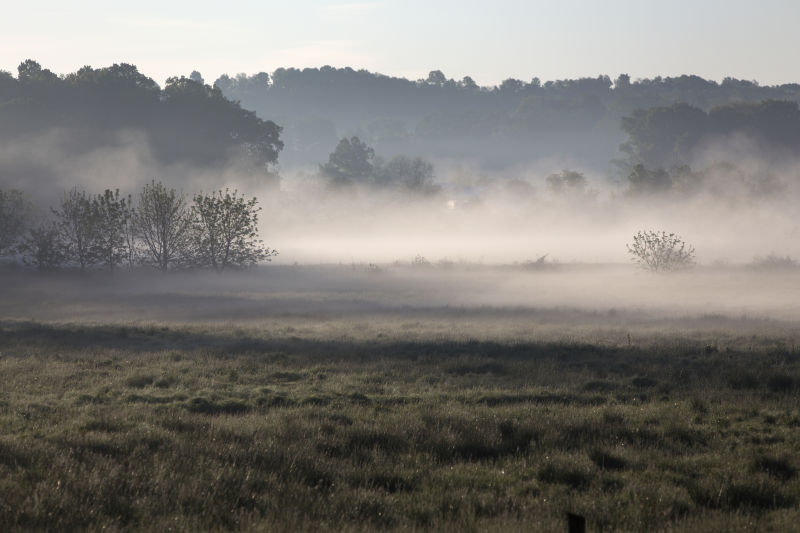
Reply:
x=226, y=231
x=661, y=251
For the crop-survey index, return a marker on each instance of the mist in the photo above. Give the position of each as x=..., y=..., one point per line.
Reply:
x=330, y=299
x=516, y=234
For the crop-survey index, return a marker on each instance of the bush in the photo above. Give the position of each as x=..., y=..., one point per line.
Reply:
x=661, y=251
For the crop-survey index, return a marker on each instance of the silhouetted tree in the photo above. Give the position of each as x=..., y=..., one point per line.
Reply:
x=350, y=162
x=412, y=174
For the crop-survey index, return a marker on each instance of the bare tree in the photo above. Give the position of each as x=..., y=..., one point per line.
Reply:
x=164, y=223
x=661, y=251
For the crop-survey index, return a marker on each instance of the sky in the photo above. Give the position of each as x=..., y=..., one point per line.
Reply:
x=487, y=40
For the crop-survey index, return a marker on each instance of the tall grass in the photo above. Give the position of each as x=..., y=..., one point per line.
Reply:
x=160, y=427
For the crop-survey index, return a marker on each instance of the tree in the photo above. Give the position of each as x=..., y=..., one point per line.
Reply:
x=15, y=214
x=567, y=182
x=43, y=247
x=112, y=216
x=436, y=77
x=226, y=231
x=130, y=235
x=662, y=137
x=643, y=180
x=196, y=77
x=661, y=251
x=412, y=174
x=468, y=83
x=164, y=223
x=77, y=225
x=199, y=123
x=350, y=161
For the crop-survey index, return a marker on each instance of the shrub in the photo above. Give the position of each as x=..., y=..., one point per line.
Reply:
x=661, y=251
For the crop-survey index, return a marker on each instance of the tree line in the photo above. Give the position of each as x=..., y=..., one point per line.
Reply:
x=160, y=228
x=185, y=121
x=663, y=142
x=503, y=125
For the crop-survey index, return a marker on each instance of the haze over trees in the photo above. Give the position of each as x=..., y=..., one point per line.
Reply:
x=185, y=122
x=515, y=122
x=353, y=162
x=660, y=123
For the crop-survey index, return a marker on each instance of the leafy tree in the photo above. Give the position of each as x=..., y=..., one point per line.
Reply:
x=350, y=162
x=43, y=247
x=436, y=77
x=164, y=223
x=661, y=251
x=15, y=213
x=412, y=174
x=30, y=71
x=226, y=231
x=112, y=217
x=511, y=85
x=200, y=123
x=468, y=83
x=77, y=224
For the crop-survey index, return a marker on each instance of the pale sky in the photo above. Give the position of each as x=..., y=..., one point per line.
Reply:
x=488, y=40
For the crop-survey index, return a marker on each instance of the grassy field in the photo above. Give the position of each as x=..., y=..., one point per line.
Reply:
x=346, y=414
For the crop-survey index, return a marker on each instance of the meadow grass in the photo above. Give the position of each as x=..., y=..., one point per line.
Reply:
x=397, y=422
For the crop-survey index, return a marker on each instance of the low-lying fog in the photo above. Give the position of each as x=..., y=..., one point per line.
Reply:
x=578, y=294
x=472, y=247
